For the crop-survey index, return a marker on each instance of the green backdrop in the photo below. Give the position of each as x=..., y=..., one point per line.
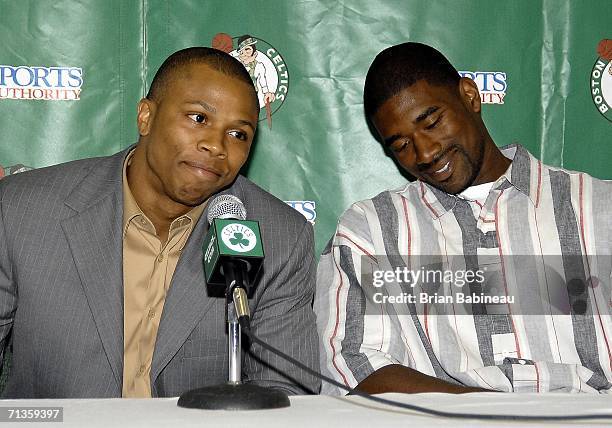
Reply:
x=548, y=60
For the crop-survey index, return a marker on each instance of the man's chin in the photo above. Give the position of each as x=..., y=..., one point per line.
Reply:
x=193, y=199
x=456, y=183
x=450, y=187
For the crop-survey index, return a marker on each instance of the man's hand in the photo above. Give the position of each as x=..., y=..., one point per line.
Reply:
x=398, y=378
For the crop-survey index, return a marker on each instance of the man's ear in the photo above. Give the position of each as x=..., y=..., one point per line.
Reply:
x=469, y=94
x=146, y=113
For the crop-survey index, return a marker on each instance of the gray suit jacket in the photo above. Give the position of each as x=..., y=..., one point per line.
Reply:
x=61, y=291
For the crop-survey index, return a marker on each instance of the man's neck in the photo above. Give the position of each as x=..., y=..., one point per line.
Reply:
x=160, y=211
x=494, y=164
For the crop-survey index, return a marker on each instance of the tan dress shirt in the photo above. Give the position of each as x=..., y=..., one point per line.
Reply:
x=148, y=266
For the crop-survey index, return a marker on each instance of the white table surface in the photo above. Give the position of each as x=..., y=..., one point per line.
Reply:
x=320, y=411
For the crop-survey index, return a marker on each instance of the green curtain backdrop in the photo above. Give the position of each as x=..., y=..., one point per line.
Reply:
x=547, y=60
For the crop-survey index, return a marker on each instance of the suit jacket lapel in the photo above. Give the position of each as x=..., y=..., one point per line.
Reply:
x=95, y=239
x=186, y=301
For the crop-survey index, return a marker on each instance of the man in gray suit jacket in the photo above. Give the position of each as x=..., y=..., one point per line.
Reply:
x=101, y=278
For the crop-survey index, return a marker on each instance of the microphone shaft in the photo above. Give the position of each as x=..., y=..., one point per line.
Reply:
x=234, y=347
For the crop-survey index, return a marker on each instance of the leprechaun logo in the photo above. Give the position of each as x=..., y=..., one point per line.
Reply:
x=601, y=79
x=265, y=65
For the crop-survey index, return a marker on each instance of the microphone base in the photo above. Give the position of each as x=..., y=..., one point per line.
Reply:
x=234, y=397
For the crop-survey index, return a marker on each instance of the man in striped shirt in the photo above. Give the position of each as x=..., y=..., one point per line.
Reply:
x=491, y=271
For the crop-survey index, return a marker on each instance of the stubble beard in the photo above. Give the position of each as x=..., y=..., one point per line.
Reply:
x=474, y=165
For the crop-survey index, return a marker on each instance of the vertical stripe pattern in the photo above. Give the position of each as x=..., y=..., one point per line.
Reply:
x=543, y=233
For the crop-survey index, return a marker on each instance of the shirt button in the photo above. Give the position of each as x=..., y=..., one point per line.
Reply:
x=160, y=258
x=151, y=313
x=143, y=221
x=522, y=362
x=141, y=370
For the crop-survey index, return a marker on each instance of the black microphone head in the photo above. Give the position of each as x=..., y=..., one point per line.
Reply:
x=226, y=206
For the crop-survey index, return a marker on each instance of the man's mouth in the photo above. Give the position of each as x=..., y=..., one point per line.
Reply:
x=443, y=168
x=203, y=170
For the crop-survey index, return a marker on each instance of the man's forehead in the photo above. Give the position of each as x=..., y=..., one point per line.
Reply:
x=419, y=95
x=188, y=79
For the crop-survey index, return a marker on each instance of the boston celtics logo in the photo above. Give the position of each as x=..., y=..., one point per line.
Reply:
x=601, y=79
x=265, y=65
x=239, y=237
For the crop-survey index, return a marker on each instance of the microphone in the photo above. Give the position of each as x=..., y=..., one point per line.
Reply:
x=233, y=251
x=233, y=254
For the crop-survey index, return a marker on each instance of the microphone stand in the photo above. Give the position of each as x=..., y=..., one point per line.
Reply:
x=234, y=345
x=234, y=395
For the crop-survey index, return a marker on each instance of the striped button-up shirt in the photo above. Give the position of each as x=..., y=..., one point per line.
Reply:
x=541, y=242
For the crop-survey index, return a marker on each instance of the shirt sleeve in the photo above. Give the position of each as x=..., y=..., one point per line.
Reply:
x=524, y=375
x=357, y=337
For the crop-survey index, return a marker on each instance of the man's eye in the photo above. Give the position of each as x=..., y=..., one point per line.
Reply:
x=198, y=117
x=400, y=145
x=434, y=124
x=242, y=136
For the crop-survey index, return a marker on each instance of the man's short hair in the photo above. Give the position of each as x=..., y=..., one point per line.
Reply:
x=401, y=66
x=216, y=59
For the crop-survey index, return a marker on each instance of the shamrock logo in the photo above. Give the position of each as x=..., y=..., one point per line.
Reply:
x=239, y=239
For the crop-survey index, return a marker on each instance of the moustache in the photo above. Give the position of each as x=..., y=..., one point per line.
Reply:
x=426, y=166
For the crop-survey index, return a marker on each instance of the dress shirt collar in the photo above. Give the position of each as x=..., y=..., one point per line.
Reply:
x=524, y=174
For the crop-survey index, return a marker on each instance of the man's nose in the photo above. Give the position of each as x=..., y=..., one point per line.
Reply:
x=426, y=150
x=214, y=143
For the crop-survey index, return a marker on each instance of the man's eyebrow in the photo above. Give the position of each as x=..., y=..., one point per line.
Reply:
x=389, y=140
x=431, y=110
x=426, y=113
x=246, y=123
x=204, y=105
